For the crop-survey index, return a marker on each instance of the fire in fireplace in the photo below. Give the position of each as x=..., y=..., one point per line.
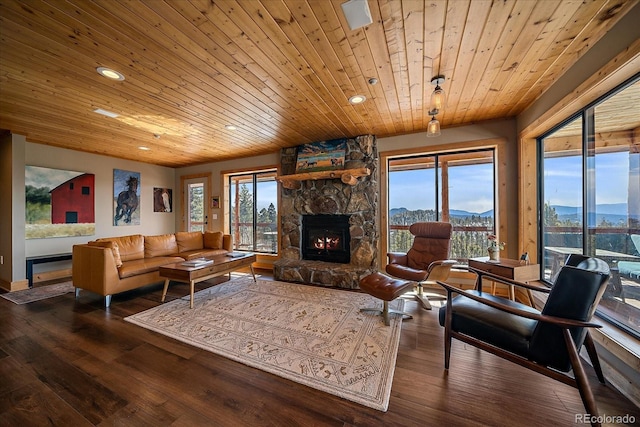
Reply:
x=326, y=238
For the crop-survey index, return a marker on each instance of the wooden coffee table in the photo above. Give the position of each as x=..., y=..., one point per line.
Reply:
x=222, y=264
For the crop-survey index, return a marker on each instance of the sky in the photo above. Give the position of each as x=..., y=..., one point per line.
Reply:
x=37, y=176
x=563, y=182
x=470, y=189
x=470, y=186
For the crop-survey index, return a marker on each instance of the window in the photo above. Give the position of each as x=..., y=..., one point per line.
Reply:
x=196, y=216
x=253, y=211
x=590, y=198
x=455, y=187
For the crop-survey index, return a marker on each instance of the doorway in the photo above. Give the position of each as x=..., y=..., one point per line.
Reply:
x=195, y=209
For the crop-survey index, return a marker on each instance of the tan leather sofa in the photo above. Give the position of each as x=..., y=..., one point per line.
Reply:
x=112, y=265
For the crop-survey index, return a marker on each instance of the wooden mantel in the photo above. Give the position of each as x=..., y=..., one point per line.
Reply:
x=347, y=176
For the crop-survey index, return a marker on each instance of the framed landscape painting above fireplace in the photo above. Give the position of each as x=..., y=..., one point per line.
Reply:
x=321, y=156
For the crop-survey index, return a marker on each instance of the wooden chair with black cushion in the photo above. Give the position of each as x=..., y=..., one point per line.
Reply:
x=427, y=259
x=547, y=341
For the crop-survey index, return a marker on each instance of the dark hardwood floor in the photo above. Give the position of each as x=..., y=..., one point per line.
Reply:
x=68, y=362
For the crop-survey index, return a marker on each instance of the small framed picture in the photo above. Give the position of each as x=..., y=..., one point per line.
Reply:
x=215, y=202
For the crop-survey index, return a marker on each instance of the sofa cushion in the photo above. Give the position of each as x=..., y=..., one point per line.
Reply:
x=189, y=240
x=145, y=265
x=213, y=240
x=131, y=247
x=161, y=245
x=202, y=253
x=115, y=250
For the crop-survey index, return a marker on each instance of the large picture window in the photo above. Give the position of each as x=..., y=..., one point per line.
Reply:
x=455, y=187
x=253, y=211
x=590, y=198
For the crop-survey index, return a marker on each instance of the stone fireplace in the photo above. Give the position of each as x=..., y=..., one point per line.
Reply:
x=314, y=258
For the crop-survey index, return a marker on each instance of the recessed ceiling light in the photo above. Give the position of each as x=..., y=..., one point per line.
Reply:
x=230, y=127
x=357, y=99
x=106, y=113
x=143, y=148
x=109, y=73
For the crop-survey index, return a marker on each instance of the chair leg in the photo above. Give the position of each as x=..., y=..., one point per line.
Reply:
x=582, y=382
x=385, y=312
x=447, y=331
x=593, y=355
x=422, y=298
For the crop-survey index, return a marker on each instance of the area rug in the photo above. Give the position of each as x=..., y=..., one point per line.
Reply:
x=39, y=293
x=311, y=335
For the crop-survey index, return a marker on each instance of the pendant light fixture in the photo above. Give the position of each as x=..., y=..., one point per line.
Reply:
x=433, y=128
x=438, y=98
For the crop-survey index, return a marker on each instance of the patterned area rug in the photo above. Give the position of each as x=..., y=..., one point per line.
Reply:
x=39, y=293
x=313, y=336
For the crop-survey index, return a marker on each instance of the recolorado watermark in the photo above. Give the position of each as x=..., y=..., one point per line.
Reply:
x=605, y=419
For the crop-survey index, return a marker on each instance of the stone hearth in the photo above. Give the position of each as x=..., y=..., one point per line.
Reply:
x=331, y=196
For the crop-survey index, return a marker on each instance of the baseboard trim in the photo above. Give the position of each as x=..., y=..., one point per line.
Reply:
x=18, y=285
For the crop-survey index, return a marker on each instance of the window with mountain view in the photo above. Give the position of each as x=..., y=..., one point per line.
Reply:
x=455, y=187
x=590, y=198
x=252, y=210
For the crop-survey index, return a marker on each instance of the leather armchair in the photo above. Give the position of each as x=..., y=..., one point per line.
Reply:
x=427, y=260
x=547, y=341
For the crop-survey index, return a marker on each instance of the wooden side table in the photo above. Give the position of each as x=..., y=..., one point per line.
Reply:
x=509, y=269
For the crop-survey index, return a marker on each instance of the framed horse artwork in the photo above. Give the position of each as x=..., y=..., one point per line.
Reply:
x=126, y=197
x=162, y=199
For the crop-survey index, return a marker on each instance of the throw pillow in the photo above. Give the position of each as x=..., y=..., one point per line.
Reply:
x=189, y=241
x=213, y=240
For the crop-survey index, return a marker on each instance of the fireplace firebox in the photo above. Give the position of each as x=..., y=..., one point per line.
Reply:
x=326, y=238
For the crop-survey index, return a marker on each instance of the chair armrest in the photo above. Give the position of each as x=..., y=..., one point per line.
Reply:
x=439, y=270
x=558, y=321
x=397, y=258
x=446, y=262
x=507, y=281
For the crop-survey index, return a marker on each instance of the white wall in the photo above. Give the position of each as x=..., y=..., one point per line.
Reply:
x=102, y=167
x=486, y=130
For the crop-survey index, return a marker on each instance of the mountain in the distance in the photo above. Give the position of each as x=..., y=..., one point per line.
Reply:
x=396, y=211
x=612, y=212
x=604, y=209
x=462, y=214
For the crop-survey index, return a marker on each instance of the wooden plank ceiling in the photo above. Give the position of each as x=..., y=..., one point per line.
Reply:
x=281, y=71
